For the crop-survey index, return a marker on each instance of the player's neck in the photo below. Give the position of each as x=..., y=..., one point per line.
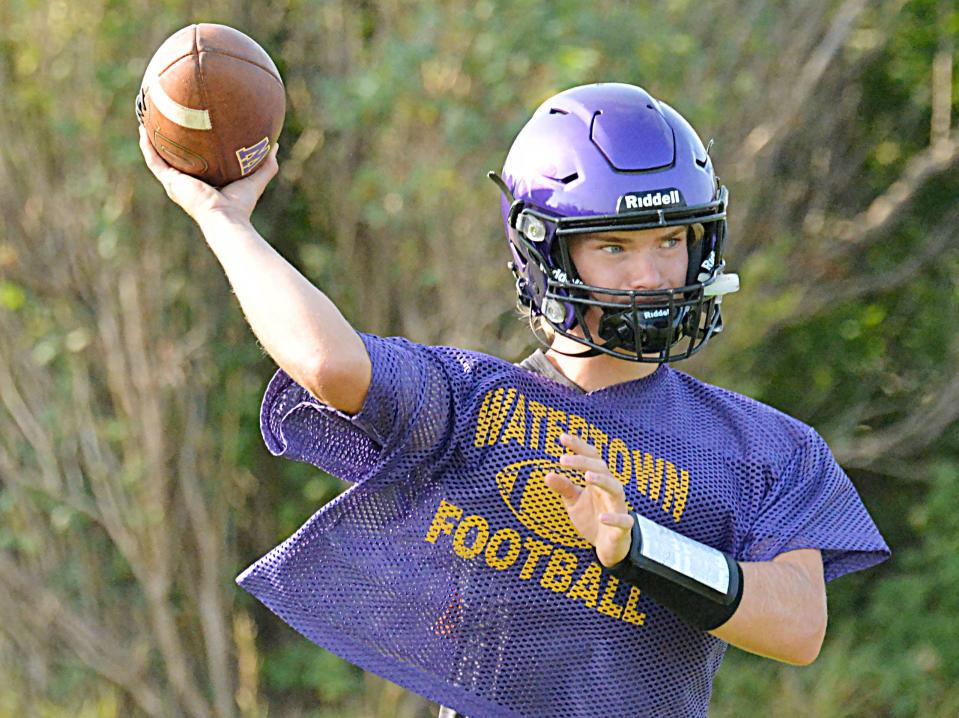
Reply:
x=596, y=372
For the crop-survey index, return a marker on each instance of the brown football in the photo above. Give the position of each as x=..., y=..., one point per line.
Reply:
x=212, y=103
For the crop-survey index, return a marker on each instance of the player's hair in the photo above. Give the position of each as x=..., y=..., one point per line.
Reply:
x=542, y=329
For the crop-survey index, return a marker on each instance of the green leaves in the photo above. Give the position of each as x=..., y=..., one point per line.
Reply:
x=115, y=320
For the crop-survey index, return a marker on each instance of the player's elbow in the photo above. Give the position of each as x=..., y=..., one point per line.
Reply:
x=804, y=655
x=805, y=627
x=807, y=645
x=341, y=380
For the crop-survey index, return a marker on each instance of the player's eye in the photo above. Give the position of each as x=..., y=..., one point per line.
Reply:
x=612, y=248
x=670, y=242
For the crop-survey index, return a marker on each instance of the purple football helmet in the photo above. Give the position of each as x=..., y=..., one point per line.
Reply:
x=609, y=157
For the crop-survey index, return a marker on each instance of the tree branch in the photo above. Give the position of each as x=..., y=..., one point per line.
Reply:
x=908, y=437
x=886, y=210
x=769, y=133
x=32, y=604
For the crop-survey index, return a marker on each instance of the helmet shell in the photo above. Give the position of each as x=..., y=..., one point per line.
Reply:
x=585, y=148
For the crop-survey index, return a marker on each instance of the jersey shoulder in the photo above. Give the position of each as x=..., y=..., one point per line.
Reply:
x=744, y=425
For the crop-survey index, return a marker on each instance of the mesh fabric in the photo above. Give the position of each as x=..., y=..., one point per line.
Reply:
x=449, y=568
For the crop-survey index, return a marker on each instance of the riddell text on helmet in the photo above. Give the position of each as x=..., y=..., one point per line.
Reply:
x=644, y=200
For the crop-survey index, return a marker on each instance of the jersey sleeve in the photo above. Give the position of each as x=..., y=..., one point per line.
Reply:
x=813, y=504
x=409, y=408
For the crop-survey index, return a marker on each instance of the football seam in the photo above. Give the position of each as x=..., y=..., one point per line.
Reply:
x=173, y=62
x=196, y=50
x=267, y=70
x=201, y=84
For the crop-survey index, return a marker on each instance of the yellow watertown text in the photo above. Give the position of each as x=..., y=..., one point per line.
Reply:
x=507, y=415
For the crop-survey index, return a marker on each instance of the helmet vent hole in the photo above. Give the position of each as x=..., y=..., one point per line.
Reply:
x=569, y=178
x=557, y=111
x=701, y=163
x=649, y=107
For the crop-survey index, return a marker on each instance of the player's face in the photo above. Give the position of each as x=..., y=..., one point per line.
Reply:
x=645, y=259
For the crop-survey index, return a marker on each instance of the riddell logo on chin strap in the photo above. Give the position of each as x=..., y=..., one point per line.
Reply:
x=668, y=197
x=656, y=313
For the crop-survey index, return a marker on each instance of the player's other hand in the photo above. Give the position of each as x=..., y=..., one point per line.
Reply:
x=197, y=198
x=598, y=512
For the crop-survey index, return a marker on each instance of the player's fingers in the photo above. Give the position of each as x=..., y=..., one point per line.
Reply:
x=250, y=188
x=157, y=165
x=583, y=463
x=580, y=446
x=607, y=484
x=186, y=191
x=154, y=162
x=270, y=167
x=562, y=486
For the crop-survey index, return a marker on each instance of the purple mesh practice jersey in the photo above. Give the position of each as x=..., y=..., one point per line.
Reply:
x=451, y=569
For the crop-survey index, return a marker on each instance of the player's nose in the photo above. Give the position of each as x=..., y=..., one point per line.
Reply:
x=644, y=273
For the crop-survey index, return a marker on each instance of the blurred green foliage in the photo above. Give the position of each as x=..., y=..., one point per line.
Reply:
x=127, y=373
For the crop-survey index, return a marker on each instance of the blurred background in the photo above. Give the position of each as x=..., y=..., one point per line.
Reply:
x=134, y=484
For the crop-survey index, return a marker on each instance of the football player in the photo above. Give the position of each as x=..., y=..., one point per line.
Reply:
x=581, y=534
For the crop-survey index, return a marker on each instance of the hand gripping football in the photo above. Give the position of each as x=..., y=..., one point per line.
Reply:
x=212, y=103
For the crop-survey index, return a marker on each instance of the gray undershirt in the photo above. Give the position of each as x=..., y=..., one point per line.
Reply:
x=538, y=363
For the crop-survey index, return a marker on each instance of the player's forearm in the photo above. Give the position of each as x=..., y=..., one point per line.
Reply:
x=298, y=325
x=782, y=613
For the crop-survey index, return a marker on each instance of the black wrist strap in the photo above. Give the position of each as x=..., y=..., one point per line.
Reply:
x=676, y=580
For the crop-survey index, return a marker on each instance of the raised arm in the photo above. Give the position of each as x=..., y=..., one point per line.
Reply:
x=298, y=325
